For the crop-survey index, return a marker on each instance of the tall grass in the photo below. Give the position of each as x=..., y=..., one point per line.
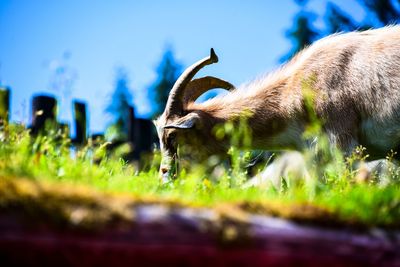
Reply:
x=333, y=187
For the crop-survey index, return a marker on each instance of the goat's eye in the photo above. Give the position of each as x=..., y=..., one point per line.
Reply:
x=171, y=139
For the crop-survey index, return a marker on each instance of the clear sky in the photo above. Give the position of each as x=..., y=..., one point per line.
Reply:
x=90, y=39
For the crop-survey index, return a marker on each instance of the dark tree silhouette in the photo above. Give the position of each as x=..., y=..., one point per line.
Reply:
x=303, y=33
x=337, y=20
x=379, y=13
x=168, y=72
x=385, y=10
x=118, y=107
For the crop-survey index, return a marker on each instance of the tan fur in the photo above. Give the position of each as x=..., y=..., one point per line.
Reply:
x=355, y=78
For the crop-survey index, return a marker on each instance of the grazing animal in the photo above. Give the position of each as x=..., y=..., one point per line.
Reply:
x=355, y=81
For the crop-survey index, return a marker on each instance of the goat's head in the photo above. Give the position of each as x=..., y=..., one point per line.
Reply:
x=179, y=125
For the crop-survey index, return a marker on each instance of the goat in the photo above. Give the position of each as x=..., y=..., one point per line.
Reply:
x=355, y=80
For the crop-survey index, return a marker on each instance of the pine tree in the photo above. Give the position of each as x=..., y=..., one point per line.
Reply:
x=385, y=12
x=168, y=72
x=118, y=107
x=303, y=33
x=379, y=13
x=338, y=21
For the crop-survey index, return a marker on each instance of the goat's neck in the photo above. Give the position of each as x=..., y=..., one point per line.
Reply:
x=270, y=116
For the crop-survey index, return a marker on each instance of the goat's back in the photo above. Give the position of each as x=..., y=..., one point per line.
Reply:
x=357, y=79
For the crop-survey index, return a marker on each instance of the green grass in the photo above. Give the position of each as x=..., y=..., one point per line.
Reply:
x=34, y=172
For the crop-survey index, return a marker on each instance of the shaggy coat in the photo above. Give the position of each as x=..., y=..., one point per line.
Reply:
x=354, y=81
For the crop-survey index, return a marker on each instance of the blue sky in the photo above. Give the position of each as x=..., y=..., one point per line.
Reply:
x=90, y=39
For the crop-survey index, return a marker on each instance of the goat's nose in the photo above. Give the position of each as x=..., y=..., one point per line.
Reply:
x=163, y=170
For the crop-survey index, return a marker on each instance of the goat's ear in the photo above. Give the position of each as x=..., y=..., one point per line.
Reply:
x=187, y=122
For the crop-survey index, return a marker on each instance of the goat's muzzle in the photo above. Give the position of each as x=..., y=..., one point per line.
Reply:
x=168, y=168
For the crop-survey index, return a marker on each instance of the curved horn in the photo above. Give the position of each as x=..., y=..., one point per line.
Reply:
x=199, y=86
x=174, y=103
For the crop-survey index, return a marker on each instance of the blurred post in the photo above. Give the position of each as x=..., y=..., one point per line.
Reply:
x=143, y=136
x=131, y=125
x=131, y=156
x=140, y=135
x=4, y=105
x=44, y=109
x=80, y=121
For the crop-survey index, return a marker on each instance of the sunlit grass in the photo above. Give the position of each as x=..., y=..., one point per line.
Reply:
x=332, y=196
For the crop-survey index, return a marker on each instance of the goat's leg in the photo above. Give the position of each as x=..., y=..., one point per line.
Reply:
x=290, y=166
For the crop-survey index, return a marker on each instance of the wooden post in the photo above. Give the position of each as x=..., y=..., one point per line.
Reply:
x=140, y=135
x=80, y=121
x=131, y=125
x=4, y=105
x=143, y=136
x=44, y=109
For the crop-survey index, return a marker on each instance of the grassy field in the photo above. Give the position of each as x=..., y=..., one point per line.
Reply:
x=42, y=173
